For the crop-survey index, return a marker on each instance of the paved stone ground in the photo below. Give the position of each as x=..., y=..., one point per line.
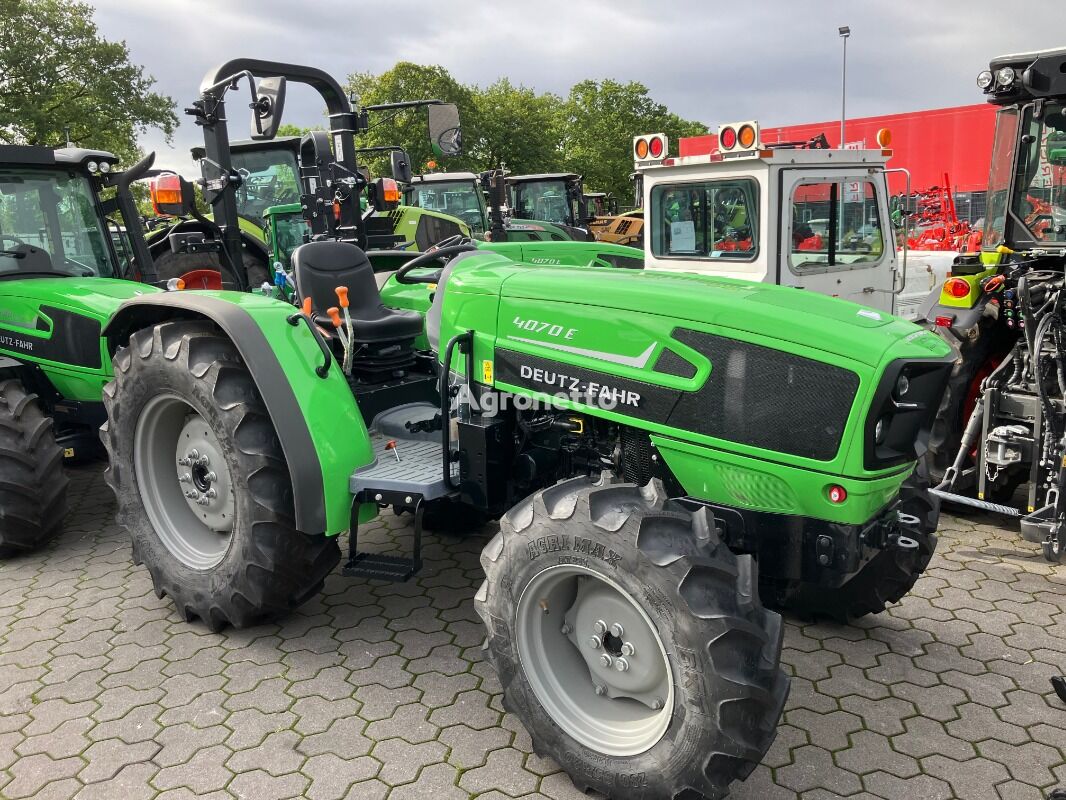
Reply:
x=375, y=691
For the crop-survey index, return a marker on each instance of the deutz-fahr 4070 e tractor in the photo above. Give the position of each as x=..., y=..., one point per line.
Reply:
x=1003, y=421
x=665, y=453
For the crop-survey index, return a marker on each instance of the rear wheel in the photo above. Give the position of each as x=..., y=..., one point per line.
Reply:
x=201, y=481
x=33, y=487
x=631, y=642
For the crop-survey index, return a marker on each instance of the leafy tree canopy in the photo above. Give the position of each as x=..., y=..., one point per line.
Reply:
x=60, y=77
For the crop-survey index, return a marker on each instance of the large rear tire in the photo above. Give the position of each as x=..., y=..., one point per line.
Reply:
x=631, y=642
x=201, y=481
x=33, y=487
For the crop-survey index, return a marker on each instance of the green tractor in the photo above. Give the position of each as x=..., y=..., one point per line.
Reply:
x=481, y=201
x=556, y=198
x=999, y=442
x=665, y=453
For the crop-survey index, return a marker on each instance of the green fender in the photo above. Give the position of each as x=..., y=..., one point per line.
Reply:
x=318, y=423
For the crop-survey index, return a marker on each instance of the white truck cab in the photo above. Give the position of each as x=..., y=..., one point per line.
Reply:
x=816, y=219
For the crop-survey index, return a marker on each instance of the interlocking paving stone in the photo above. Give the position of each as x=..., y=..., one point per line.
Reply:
x=379, y=692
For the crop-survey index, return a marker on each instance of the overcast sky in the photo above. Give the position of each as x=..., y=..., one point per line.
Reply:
x=777, y=61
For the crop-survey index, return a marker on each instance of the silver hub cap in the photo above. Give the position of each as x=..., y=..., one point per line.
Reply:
x=594, y=660
x=184, y=482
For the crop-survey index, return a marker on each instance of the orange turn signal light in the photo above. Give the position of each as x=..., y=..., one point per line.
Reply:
x=746, y=136
x=640, y=148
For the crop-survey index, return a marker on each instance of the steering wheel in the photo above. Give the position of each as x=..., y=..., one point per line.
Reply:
x=18, y=242
x=442, y=250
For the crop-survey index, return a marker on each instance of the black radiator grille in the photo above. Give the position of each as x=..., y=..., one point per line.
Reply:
x=765, y=398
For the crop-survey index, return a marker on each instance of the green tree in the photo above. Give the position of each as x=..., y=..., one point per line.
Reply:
x=517, y=128
x=58, y=75
x=600, y=119
x=408, y=128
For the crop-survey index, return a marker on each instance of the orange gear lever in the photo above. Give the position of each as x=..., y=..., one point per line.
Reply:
x=342, y=295
x=334, y=315
x=307, y=307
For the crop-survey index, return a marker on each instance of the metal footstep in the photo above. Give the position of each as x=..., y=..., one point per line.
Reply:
x=395, y=569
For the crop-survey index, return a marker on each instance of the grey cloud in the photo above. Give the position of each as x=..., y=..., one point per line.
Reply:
x=777, y=61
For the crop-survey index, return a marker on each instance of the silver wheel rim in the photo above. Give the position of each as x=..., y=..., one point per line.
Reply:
x=183, y=480
x=594, y=660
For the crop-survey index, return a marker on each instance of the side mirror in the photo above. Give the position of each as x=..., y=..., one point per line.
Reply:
x=384, y=194
x=401, y=167
x=266, y=111
x=445, y=134
x=172, y=196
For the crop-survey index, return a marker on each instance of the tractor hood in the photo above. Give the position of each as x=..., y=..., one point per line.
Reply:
x=97, y=298
x=785, y=314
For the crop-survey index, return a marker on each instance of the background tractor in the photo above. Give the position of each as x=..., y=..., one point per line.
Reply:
x=1003, y=423
x=557, y=198
x=274, y=178
x=60, y=256
x=482, y=202
x=665, y=453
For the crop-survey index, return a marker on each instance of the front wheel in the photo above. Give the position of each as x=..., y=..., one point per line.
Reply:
x=201, y=481
x=631, y=642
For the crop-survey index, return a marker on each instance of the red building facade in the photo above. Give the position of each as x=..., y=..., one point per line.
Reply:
x=956, y=141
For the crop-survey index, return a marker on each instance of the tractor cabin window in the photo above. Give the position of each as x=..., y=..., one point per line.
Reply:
x=712, y=220
x=835, y=224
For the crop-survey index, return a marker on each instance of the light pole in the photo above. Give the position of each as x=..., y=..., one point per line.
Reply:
x=844, y=32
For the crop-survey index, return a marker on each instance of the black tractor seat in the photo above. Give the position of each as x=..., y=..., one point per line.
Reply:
x=382, y=337
x=320, y=267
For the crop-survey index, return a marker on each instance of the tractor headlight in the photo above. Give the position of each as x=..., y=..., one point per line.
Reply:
x=105, y=167
x=902, y=385
x=1005, y=76
x=902, y=410
x=984, y=79
x=92, y=166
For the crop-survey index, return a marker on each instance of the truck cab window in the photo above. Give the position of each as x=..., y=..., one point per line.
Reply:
x=836, y=223
x=710, y=220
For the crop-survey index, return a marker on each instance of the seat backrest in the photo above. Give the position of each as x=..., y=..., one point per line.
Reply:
x=320, y=267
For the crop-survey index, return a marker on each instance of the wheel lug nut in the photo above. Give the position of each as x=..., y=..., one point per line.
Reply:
x=186, y=478
x=210, y=477
x=617, y=630
x=628, y=649
x=193, y=454
x=212, y=493
x=594, y=642
x=606, y=660
x=565, y=630
x=185, y=462
x=601, y=690
x=621, y=665
x=191, y=494
x=600, y=627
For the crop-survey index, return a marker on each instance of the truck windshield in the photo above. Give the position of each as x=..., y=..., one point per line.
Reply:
x=49, y=224
x=460, y=199
x=1039, y=198
x=270, y=178
x=543, y=200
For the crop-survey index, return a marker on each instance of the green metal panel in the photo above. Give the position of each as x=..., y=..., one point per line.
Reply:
x=30, y=334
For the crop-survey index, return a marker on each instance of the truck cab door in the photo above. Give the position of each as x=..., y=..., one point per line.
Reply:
x=836, y=235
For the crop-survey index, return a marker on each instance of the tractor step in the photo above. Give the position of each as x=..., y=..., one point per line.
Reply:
x=381, y=568
x=376, y=566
